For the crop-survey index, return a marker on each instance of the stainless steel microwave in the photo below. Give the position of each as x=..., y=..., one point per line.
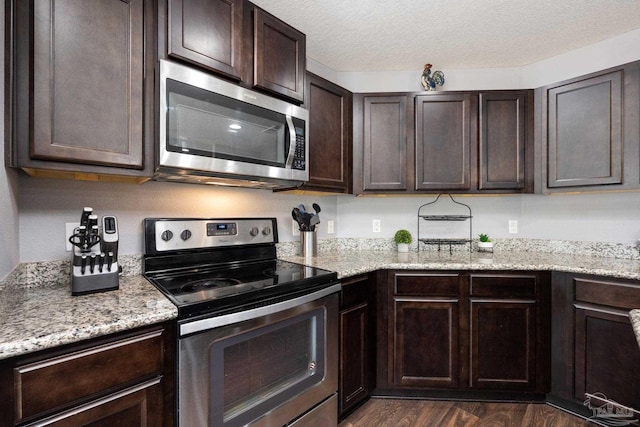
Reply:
x=212, y=131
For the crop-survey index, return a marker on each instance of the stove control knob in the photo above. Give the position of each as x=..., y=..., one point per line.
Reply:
x=266, y=231
x=254, y=231
x=185, y=235
x=166, y=235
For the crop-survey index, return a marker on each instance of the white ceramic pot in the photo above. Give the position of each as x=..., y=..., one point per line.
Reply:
x=403, y=247
x=485, y=245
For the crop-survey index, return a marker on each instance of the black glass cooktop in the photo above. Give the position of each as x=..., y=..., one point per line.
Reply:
x=237, y=287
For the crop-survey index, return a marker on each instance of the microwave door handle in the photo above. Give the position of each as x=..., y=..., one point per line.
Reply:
x=292, y=142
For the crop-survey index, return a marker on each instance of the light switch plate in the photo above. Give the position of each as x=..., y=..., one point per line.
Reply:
x=376, y=225
x=330, y=227
x=513, y=226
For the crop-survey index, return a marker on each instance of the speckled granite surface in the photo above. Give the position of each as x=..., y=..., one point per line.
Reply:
x=38, y=317
x=634, y=315
x=37, y=310
x=352, y=262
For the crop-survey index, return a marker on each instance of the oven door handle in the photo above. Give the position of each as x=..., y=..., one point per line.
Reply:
x=192, y=327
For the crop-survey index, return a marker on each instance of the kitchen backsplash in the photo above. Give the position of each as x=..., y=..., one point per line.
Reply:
x=50, y=273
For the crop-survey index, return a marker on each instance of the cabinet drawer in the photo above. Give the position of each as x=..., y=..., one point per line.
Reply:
x=427, y=284
x=614, y=294
x=72, y=378
x=503, y=286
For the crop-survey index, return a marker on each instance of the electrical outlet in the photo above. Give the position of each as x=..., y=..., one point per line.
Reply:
x=513, y=226
x=330, y=227
x=295, y=228
x=376, y=225
x=68, y=232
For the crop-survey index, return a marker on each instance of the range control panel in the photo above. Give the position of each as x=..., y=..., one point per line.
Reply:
x=180, y=233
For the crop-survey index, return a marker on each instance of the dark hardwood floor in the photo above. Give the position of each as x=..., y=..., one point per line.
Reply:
x=425, y=413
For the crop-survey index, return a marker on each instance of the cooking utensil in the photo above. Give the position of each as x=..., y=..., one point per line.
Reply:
x=316, y=207
x=297, y=216
x=315, y=220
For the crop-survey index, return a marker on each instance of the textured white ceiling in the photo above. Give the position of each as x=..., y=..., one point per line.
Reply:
x=401, y=35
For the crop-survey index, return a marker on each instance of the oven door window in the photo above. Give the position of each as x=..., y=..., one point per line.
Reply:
x=252, y=370
x=208, y=124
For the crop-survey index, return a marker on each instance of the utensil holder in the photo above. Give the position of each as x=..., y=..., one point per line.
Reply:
x=308, y=244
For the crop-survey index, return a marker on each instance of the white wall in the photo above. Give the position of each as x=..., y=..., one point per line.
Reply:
x=9, y=238
x=608, y=53
x=47, y=204
x=600, y=217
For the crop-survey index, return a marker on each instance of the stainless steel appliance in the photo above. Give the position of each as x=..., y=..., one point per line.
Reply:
x=212, y=131
x=257, y=336
x=94, y=266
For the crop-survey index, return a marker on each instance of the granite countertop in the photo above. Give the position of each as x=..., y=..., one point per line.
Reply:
x=44, y=316
x=349, y=263
x=36, y=318
x=634, y=315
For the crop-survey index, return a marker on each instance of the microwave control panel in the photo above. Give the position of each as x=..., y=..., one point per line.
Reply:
x=299, y=159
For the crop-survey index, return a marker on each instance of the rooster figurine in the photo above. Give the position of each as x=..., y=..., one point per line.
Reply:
x=430, y=82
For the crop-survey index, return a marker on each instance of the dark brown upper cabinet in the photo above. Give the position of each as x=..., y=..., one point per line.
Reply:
x=585, y=132
x=208, y=33
x=506, y=140
x=279, y=56
x=236, y=40
x=460, y=142
x=445, y=133
x=81, y=87
x=382, y=132
x=591, y=131
x=330, y=129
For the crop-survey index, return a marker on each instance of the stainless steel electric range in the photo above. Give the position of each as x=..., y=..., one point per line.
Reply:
x=257, y=336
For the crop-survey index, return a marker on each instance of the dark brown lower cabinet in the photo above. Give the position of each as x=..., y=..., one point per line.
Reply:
x=509, y=331
x=420, y=325
x=464, y=332
x=123, y=379
x=594, y=350
x=357, y=355
x=503, y=344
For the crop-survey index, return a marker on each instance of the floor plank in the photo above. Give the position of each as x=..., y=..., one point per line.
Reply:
x=422, y=413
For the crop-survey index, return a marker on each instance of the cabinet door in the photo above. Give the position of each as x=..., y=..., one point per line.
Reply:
x=503, y=338
x=207, y=33
x=329, y=135
x=384, y=144
x=354, y=356
x=88, y=86
x=279, y=56
x=601, y=310
x=445, y=142
x=606, y=355
x=503, y=122
x=425, y=349
x=357, y=352
x=584, y=132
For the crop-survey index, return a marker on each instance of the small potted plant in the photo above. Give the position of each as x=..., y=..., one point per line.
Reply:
x=402, y=239
x=485, y=242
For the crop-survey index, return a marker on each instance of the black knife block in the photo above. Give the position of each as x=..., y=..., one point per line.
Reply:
x=95, y=268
